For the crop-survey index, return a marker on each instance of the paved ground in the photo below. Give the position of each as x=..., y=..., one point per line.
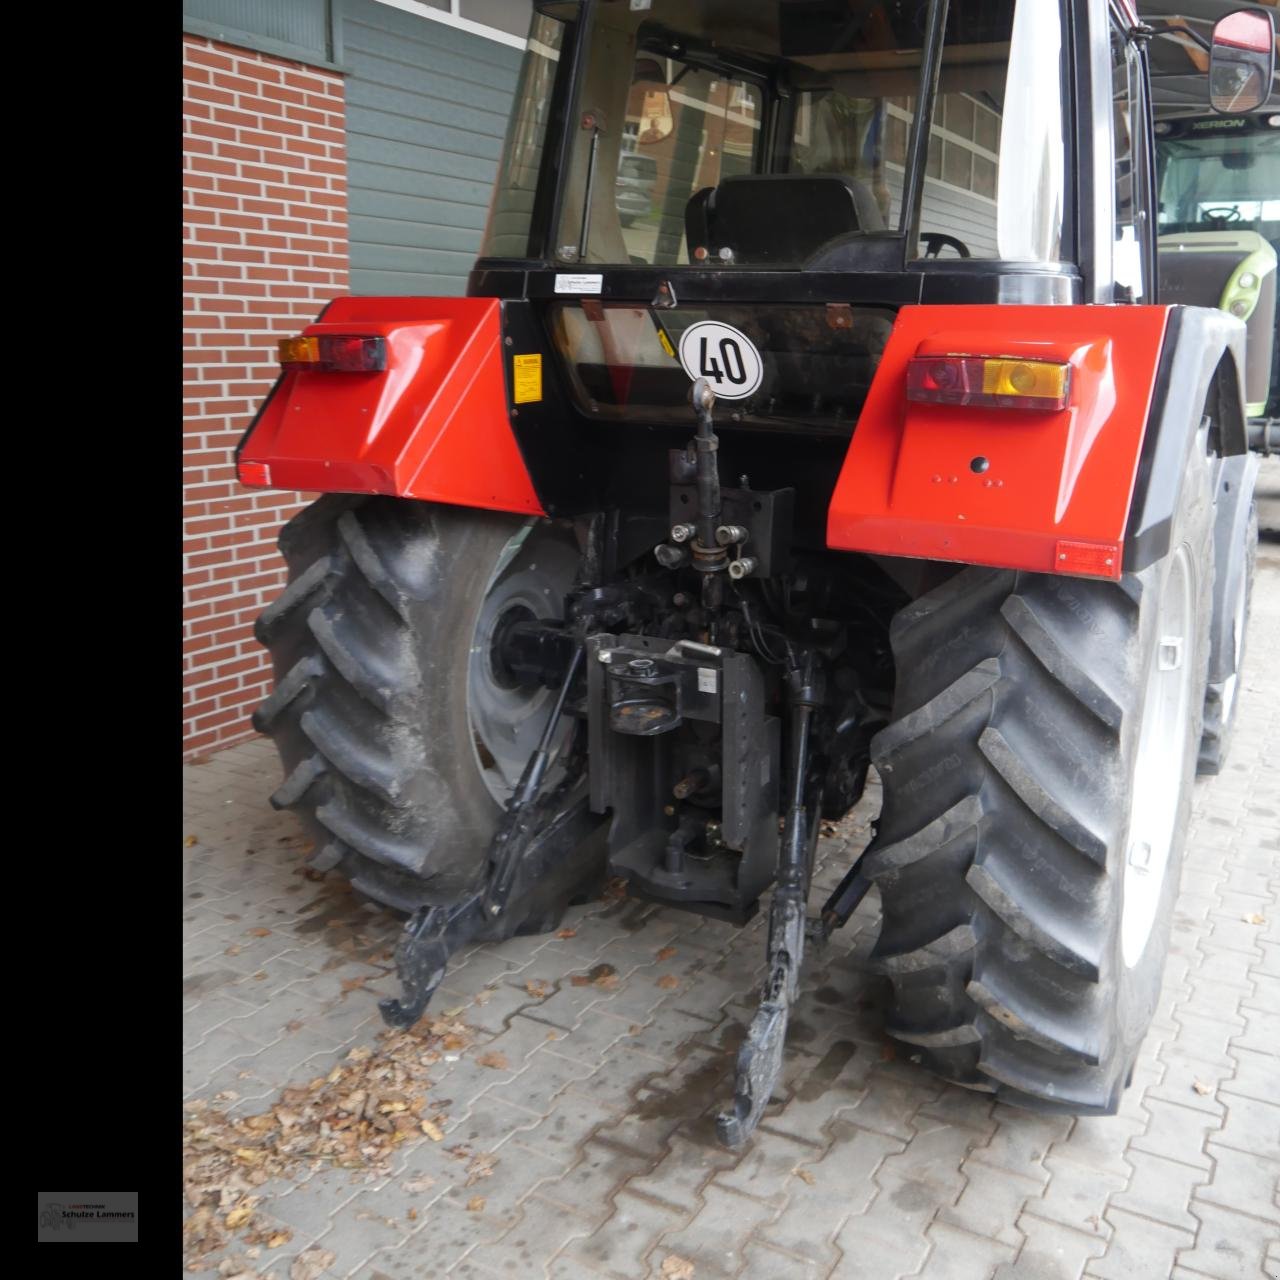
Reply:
x=599, y=1125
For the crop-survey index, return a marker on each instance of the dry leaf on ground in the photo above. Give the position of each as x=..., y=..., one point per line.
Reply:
x=311, y=1264
x=481, y=1166
x=1255, y=918
x=668, y=982
x=191, y=842
x=674, y=1267
x=476, y=1204
x=537, y=988
x=805, y=1175
x=242, y=1212
x=416, y=1186
x=355, y=1117
x=567, y=933
x=258, y=933
x=666, y=953
x=1201, y=1088
x=498, y=1061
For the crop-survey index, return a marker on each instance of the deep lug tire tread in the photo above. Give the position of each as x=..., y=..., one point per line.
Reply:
x=366, y=642
x=1003, y=826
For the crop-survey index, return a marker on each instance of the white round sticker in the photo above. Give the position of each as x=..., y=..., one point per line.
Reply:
x=725, y=356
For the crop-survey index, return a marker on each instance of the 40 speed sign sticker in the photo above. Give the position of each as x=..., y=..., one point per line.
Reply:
x=725, y=356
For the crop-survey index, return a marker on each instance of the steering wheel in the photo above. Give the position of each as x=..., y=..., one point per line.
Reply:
x=935, y=241
x=1221, y=213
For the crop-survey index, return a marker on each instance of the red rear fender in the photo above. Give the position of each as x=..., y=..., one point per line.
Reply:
x=1019, y=488
x=433, y=425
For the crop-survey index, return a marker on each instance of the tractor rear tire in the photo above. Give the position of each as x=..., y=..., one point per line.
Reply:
x=1222, y=696
x=386, y=703
x=1037, y=784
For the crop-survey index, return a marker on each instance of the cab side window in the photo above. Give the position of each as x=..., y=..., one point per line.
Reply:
x=1131, y=229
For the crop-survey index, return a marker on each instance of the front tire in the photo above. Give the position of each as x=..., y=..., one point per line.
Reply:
x=1037, y=787
x=399, y=739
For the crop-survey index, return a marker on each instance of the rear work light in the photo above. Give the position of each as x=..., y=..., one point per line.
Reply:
x=335, y=353
x=993, y=382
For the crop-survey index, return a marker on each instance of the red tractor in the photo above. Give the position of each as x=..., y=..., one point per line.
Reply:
x=860, y=437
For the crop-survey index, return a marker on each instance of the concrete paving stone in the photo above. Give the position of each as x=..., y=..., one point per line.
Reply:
x=764, y=1263
x=1255, y=1076
x=1233, y=934
x=359, y=1229
x=963, y=1107
x=544, y=1231
x=547, y=1075
x=843, y=1185
x=1229, y=1246
x=623, y=1243
x=960, y=1255
x=1183, y=1080
x=310, y=1208
x=1265, y=998
x=1076, y=1195
x=587, y=1185
x=1021, y=1141
x=281, y=973
x=1051, y=1251
x=201, y=1063
x=889, y=1103
x=677, y=1176
x=1261, y=1031
x=1251, y=1125
x=1230, y=968
x=665, y=1037
x=560, y=1135
x=1160, y=1189
x=888, y=1239
x=1140, y=1249
x=445, y=1236
x=1205, y=998
x=514, y=1175
x=1269, y=964
x=826, y=1089
x=991, y=1202
x=562, y=1267
x=935, y=1154
x=1176, y=1133
x=766, y=1169
x=1243, y=1182
x=714, y=1239
x=569, y=1007
x=216, y=1011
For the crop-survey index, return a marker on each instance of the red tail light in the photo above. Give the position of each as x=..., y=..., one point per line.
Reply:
x=335, y=353
x=993, y=382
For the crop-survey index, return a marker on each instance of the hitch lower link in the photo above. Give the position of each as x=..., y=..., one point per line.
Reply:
x=540, y=854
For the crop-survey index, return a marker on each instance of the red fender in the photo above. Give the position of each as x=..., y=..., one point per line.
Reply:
x=1015, y=488
x=432, y=426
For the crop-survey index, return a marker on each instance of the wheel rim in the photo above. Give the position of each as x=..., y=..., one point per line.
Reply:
x=530, y=579
x=1161, y=761
x=1237, y=642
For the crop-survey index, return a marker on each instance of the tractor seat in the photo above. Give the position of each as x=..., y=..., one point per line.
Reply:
x=777, y=218
x=1195, y=269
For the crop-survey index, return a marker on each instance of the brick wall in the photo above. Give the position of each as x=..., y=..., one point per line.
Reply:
x=265, y=226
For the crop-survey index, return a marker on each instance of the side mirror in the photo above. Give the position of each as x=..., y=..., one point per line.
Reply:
x=1242, y=62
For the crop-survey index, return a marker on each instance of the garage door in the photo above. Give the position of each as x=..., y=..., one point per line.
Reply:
x=427, y=109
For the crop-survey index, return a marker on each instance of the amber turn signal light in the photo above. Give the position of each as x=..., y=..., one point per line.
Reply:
x=334, y=353
x=993, y=382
